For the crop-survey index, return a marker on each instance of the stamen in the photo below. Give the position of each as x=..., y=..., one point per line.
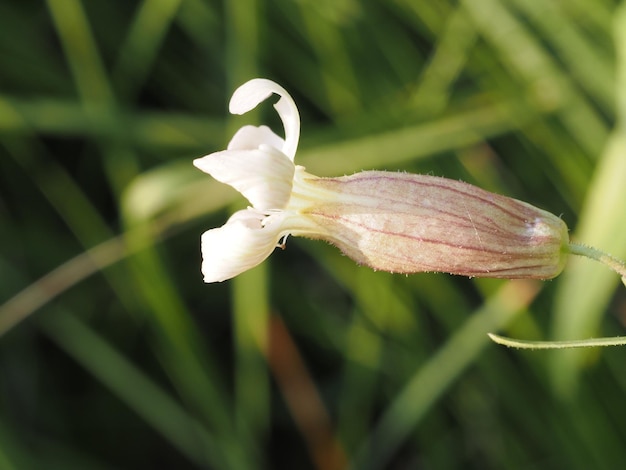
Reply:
x=282, y=243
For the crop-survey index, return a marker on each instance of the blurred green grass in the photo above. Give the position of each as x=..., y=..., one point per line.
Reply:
x=116, y=355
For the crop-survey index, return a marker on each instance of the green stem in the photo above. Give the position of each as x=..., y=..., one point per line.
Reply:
x=615, y=264
x=577, y=343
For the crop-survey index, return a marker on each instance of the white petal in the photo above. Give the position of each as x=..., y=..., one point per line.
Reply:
x=250, y=94
x=241, y=244
x=252, y=137
x=253, y=92
x=288, y=113
x=264, y=176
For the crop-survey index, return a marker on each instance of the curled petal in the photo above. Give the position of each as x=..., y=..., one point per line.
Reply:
x=264, y=176
x=288, y=113
x=241, y=244
x=252, y=137
x=253, y=92
x=250, y=94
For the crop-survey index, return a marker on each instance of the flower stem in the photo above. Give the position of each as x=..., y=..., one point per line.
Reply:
x=580, y=343
x=615, y=264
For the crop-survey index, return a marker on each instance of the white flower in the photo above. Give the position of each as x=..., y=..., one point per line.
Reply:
x=259, y=164
x=395, y=222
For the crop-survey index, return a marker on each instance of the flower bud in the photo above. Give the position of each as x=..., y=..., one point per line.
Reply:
x=408, y=223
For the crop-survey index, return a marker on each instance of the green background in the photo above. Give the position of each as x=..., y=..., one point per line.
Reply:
x=115, y=355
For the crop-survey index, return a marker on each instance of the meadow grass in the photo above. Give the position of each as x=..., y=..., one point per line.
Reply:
x=113, y=352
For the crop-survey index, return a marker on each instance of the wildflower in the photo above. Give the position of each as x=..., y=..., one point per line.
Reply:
x=395, y=222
